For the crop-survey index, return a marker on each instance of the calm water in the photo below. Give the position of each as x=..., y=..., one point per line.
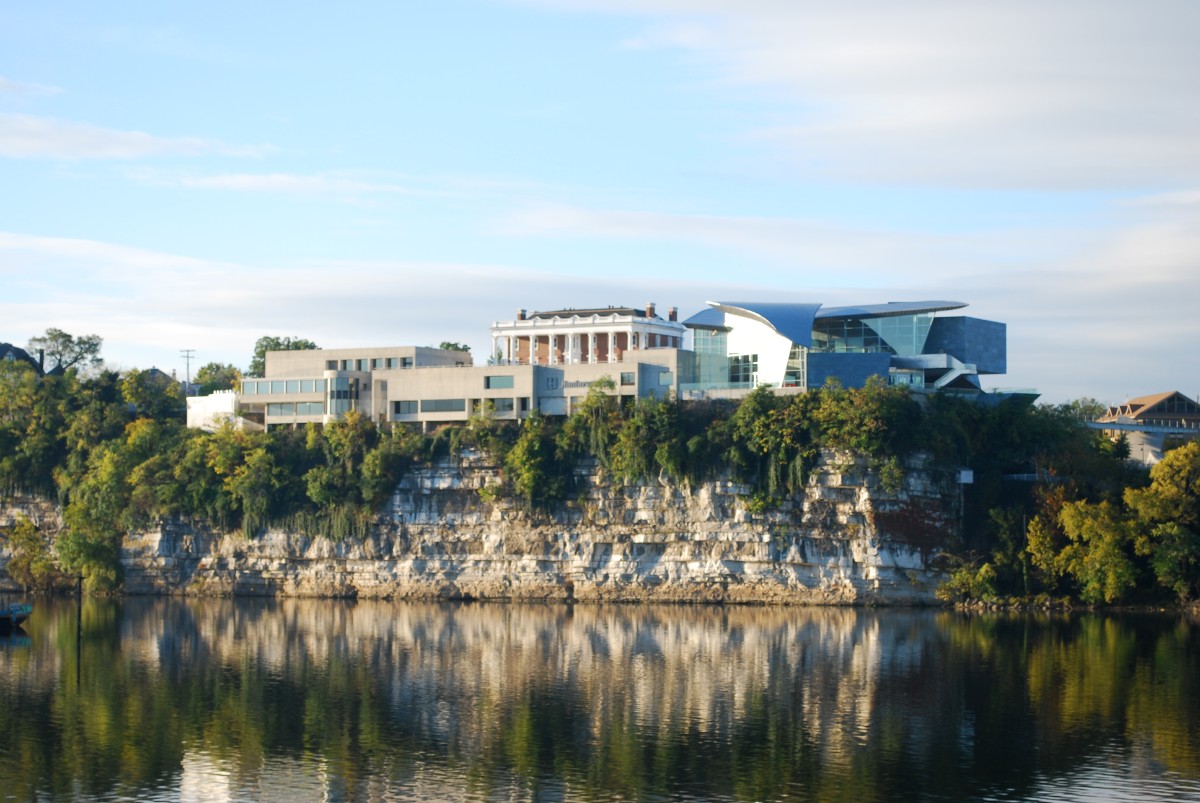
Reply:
x=213, y=700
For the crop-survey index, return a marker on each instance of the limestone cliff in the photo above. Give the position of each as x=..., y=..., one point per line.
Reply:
x=445, y=534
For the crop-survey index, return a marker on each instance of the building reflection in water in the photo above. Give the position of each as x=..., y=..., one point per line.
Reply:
x=302, y=699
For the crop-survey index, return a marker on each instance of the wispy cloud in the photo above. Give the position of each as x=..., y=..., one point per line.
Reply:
x=220, y=308
x=24, y=136
x=316, y=184
x=1022, y=94
x=1182, y=198
x=1078, y=302
x=812, y=251
x=24, y=88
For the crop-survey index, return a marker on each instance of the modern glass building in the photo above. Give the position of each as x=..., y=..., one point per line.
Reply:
x=804, y=345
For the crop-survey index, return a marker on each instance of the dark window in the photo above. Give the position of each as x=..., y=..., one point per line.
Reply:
x=443, y=405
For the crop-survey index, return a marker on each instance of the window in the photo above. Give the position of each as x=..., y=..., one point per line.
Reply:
x=406, y=407
x=502, y=405
x=376, y=363
x=666, y=378
x=310, y=408
x=364, y=364
x=498, y=382
x=278, y=386
x=293, y=386
x=347, y=365
x=249, y=388
x=524, y=404
x=628, y=378
x=443, y=405
x=406, y=362
x=331, y=365
x=393, y=362
x=281, y=408
x=743, y=369
x=796, y=373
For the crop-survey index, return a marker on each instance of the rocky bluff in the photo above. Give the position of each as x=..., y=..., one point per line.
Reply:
x=446, y=533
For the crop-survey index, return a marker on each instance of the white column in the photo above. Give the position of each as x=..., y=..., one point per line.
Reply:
x=591, y=348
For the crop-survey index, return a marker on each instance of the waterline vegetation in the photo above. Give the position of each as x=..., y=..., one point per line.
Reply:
x=112, y=450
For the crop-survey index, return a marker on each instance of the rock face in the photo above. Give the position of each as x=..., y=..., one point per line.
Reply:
x=446, y=535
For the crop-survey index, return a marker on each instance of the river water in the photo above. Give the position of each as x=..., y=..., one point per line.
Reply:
x=299, y=700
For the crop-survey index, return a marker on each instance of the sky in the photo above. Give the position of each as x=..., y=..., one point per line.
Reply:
x=193, y=176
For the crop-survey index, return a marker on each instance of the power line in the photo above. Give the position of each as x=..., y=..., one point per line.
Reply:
x=187, y=359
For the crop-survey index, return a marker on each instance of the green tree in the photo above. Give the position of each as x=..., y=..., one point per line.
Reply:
x=1168, y=517
x=62, y=350
x=31, y=562
x=1098, y=553
x=214, y=376
x=534, y=472
x=32, y=419
x=452, y=346
x=153, y=394
x=258, y=361
x=590, y=429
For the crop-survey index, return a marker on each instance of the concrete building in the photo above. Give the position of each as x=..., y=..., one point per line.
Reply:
x=213, y=411
x=547, y=361
x=427, y=386
x=320, y=385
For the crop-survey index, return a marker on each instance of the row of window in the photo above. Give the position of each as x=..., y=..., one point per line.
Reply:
x=413, y=406
x=296, y=408
x=901, y=334
x=371, y=364
x=262, y=386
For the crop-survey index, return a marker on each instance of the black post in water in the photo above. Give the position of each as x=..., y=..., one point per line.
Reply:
x=78, y=631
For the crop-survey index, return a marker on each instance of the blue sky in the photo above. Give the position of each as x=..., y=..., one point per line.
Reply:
x=193, y=176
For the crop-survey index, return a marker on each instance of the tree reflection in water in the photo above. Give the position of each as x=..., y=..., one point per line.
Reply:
x=290, y=700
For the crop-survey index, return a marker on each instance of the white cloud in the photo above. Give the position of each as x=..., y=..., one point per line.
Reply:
x=1169, y=199
x=1088, y=313
x=811, y=251
x=1023, y=93
x=149, y=305
x=25, y=136
x=24, y=88
x=317, y=184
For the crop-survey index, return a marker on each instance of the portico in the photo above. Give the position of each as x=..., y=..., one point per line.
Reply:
x=588, y=336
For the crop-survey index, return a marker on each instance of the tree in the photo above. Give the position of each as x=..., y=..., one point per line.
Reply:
x=1097, y=556
x=451, y=346
x=153, y=394
x=258, y=363
x=65, y=350
x=215, y=376
x=32, y=560
x=1168, y=515
x=590, y=429
x=530, y=465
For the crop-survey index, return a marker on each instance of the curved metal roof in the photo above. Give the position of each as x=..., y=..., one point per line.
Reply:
x=793, y=320
x=890, y=309
x=707, y=319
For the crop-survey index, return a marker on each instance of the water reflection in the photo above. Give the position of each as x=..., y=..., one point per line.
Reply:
x=302, y=700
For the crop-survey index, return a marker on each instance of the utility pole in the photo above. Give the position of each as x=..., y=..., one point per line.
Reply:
x=187, y=360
